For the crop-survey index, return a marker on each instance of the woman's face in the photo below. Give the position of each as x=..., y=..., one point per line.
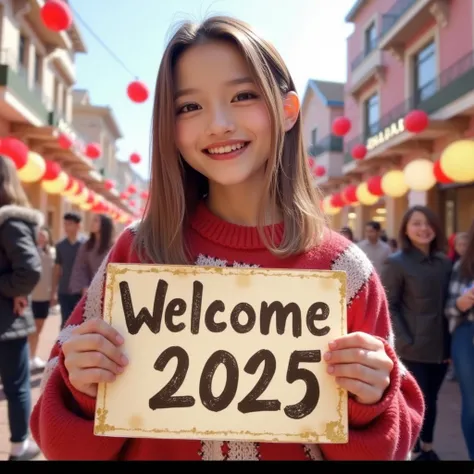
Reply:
x=42, y=239
x=223, y=127
x=461, y=245
x=95, y=224
x=419, y=230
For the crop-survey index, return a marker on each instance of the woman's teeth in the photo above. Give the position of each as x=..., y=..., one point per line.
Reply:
x=225, y=149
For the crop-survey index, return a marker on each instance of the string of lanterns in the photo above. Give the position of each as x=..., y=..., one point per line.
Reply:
x=58, y=16
x=32, y=167
x=455, y=165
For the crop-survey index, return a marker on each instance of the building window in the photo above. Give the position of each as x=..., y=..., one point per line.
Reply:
x=425, y=74
x=23, y=51
x=371, y=115
x=370, y=39
x=38, y=68
x=314, y=136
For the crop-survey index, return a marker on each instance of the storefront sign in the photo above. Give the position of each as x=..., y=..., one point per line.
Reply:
x=389, y=132
x=224, y=354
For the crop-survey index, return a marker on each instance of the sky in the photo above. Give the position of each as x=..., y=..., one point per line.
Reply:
x=309, y=34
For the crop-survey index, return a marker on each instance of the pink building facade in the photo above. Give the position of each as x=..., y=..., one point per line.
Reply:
x=405, y=55
x=322, y=103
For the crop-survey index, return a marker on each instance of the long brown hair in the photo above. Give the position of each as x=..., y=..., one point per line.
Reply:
x=176, y=188
x=11, y=190
x=466, y=265
x=439, y=242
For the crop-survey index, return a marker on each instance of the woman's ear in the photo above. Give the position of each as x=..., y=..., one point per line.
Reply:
x=291, y=107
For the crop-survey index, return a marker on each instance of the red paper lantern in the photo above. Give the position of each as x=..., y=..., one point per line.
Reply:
x=123, y=195
x=319, y=171
x=132, y=189
x=359, y=152
x=144, y=195
x=310, y=163
x=341, y=126
x=439, y=174
x=56, y=15
x=52, y=170
x=374, y=185
x=337, y=201
x=137, y=91
x=93, y=151
x=16, y=150
x=135, y=158
x=349, y=194
x=416, y=121
x=64, y=141
x=70, y=183
x=109, y=184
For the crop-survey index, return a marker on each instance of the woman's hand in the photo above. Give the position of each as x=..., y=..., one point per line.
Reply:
x=361, y=366
x=92, y=355
x=19, y=305
x=466, y=301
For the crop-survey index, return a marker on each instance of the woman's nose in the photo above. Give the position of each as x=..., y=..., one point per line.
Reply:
x=220, y=122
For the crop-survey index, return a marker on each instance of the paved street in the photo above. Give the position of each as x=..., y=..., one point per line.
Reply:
x=448, y=442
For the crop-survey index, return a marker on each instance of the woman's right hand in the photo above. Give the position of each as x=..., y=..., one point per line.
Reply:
x=466, y=301
x=93, y=355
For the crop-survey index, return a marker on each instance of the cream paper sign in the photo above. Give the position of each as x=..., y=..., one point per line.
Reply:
x=230, y=354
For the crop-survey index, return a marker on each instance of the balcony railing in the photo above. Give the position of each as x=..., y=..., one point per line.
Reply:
x=452, y=84
x=57, y=119
x=14, y=76
x=330, y=143
x=361, y=57
x=391, y=18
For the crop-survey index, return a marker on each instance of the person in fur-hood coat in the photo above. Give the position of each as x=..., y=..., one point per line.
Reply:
x=20, y=271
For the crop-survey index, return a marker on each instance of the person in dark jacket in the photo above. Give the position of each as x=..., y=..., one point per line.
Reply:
x=20, y=271
x=416, y=279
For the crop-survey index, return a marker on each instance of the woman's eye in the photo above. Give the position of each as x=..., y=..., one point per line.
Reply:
x=244, y=96
x=188, y=108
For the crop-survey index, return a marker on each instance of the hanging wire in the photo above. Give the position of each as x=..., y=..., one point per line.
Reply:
x=99, y=40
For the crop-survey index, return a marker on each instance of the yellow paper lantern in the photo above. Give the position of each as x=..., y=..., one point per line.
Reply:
x=419, y=175
x=328, y=208
x=393, y=184
x=72, y=190
x=80, y=198
x=34, y=169
x=457, y=161
x=86, y=206
x=365, y=197
x=56, y=186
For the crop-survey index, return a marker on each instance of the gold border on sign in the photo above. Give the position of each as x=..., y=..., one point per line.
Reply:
x=334, y=430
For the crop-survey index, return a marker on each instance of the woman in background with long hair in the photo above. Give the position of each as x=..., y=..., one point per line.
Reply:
x=460, y=313
x=92, y=252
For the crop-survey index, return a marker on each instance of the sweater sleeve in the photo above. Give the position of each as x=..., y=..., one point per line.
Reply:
x=62, y=421
x=388, y=429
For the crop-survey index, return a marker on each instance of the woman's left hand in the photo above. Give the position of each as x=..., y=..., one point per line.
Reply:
x=361, y=366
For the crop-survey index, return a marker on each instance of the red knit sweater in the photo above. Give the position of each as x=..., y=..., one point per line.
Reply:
x=62, y=420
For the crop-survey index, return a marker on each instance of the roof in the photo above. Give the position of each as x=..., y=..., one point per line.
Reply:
x=358, y=5
x=104, y=111
x=75, y=34
x=330, y=93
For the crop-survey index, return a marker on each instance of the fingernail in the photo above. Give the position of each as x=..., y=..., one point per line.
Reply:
x=330, y=369
x=332, y=345
x=120, y=369
x=119, y=339
x=124, y=360
x=327, y=356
